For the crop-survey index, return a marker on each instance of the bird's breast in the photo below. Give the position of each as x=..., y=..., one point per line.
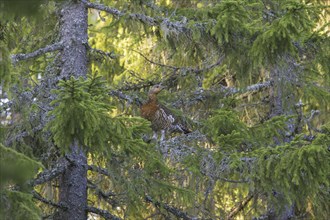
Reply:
x=149, y=110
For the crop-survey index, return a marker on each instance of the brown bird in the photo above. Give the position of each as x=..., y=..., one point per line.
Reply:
x=161, y=118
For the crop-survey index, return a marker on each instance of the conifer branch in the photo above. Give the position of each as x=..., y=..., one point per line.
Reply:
x=48, y=175
x=143, y=18
x=49, y=48
x=180, y=26
x=201, y=94
x=240, y=207
x=105, y=214
x=252, y=88
x=101, y=7
x=175, y=211
x=37, y=196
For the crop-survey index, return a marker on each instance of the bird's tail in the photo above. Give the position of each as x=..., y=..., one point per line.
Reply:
x=180, y=128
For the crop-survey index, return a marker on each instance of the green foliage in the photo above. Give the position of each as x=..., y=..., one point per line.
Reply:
x=16, y=168
x=225, y=123
x=232, y=19
x=22, y=8
x=5, y=63
x=80, y=112
x=272, y=130
x=226, y=129
x=291, y=26
x=296, y=174
x=18, y=205
x=18, y=35
x=230, y=133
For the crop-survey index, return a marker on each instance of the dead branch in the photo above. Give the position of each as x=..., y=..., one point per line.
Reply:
x=48, y=175
x=105, y=214
x=143, y=18
x=252, y=88
x=37, y=196
x=49, y=48
x=179, y=26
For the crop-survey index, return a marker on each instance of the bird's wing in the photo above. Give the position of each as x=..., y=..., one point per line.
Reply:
x=180, y=123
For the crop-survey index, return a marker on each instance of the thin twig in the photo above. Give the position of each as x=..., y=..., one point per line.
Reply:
x=186, y=69
x=156, y=63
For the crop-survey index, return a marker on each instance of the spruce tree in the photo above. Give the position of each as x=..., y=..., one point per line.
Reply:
x=251, y=78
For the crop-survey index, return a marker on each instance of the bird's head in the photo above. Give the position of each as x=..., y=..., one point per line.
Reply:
x=156, y=89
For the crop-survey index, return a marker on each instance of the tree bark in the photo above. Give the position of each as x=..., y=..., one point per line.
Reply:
x=282, y=101
x=73, y=186
x=74, y=37
x=73, y=182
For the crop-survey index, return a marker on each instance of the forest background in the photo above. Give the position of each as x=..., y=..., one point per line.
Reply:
x=250, y=77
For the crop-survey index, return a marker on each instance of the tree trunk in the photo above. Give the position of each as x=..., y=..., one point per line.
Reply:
x=73, y=182
x=74, y=36
x=282, y=102
x=73, y=186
